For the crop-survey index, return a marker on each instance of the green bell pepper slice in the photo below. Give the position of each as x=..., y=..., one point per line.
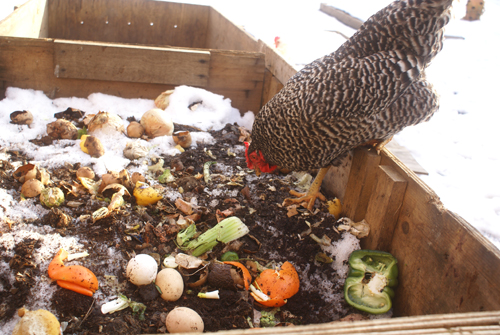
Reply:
x=371, y=279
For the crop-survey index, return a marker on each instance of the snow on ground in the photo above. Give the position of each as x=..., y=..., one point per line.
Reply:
x=457, y=146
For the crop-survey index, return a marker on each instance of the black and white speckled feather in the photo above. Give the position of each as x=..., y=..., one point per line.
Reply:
x=372, y=87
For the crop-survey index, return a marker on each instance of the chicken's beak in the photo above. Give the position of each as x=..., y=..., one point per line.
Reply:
x=257, y=171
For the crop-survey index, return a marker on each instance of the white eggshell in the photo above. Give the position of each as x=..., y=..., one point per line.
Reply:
x=184, y=320
x=142, y=270
x=170, y=283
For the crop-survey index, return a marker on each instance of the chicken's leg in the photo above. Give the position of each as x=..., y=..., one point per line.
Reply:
x=311, y=194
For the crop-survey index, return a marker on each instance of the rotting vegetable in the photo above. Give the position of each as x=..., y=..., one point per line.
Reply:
x=123, y=302
x=145, y=194
x=225, y=231
x=75, y=277
x=372, y=277
x=39, y=322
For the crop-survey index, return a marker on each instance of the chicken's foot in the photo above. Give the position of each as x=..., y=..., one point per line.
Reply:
x=312, y=193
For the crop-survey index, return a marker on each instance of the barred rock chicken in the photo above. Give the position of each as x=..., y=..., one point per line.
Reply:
x=372, y=87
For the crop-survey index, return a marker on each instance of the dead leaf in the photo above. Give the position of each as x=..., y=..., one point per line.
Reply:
x=292, y=210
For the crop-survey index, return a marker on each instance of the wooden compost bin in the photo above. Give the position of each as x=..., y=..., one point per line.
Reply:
x=139, y=48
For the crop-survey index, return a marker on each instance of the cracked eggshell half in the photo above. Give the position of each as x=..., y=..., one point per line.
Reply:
x=170, y=283
x=142, y=270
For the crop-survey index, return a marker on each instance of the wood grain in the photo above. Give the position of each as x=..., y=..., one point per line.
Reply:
x=139, y=64
x=29, y=63
x=361, y=180
x=445, y=264
x=131, y=21
x=28, y=20
x=383, y=208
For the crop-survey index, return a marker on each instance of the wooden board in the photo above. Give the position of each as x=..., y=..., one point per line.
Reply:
x=29, y=63
x=223, y=34
x=139, y=64
x=445, y=264
x=444, y=324
x=359, y=187
x=384, y=207
x=129, y=21
x=28, y=20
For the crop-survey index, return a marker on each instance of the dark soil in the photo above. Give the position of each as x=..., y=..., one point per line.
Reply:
x=274, y=237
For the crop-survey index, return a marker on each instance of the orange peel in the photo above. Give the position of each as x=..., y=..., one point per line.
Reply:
x=247, y=277
x=75, y=277
x=277, y=285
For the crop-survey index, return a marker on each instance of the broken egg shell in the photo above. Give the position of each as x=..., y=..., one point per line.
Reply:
x=62, y=129
x=135, y=130
x=135, y=150
x=142, y=270
x=111, y=189
x=136, y=176
x=194, y=277
x=21, y=117
x=85, y=172
x=25, y=172
x=188, y=261
x=32, y=188
x=283, y=283
x=52, y=197
x=163, y=100
x=112, y=177
x=156, y=123
x=105, y=120
x=184, y=320
x=40, y=321
x=94, y=146
x=170, y=283
x=182, y=138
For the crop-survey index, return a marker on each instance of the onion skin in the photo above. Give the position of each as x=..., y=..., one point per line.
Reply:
x=75, y=277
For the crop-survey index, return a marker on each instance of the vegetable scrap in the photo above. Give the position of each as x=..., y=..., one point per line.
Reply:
x=371, y=281
x=75, y=277
x=272, y=288
x=196, y=229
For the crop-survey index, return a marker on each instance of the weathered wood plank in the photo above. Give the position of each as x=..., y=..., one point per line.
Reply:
x=445, y=324
x=224, y=34
x=406, y=157
x=28, y=20
x=240, y=75
x=336, y=179
x=271, y=87
x=140, y=64
x=29, y=63
x=130, y=21
x=275, y=63
x=360, y=184
x=445, y=264
x=383, y=208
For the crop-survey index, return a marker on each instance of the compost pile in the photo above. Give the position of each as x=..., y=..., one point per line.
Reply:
x=276, y=234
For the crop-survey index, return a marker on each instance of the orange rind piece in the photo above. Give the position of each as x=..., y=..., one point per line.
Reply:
x=277, y=285
x=247, y=277
x=75, y=277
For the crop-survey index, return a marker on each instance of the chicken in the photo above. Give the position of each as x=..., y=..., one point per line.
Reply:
x=372, y=87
